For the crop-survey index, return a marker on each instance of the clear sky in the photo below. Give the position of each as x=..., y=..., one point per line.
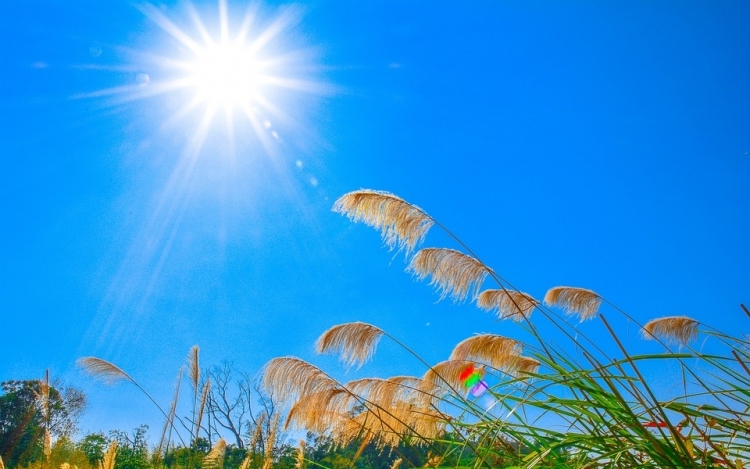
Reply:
x=595, y=144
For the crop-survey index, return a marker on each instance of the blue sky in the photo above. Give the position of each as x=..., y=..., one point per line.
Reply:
x=600, y=145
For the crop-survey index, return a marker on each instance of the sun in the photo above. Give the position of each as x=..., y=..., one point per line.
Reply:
x=241, y=65
x=226, y=75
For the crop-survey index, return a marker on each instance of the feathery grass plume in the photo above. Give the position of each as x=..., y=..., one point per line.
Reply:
x=201, y=408
x=523, y=365
x=289, y=377
x=678, y=329
x=256, y=435
x=401, y=224
x=300, y=459
x=385, y=392
x=515, y=305
x=169, y=422
x=2, y=466
x=270, y=442
x=103, y=369
x=355, y=342
x=194, y=367
x=453, y=273
x=396, y=463
x=65, y=466
x=215, y=458
x=386, y=428
x=319, y=411
x=245, y=464
x=108, y=462
x=575, y=301
x=494, y=350
x=434, y=461
x=365, y=441
x=444, y=377
x=47, y=442
x=172, y=410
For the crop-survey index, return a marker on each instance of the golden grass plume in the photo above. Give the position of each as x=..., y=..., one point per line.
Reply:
x=271, y=441
x=2, y=466
x=319, y=411
x=522, y=365
x=575, y=301
x=509, y=304
x=172, y=411
x=453, y=273
x=495, y=350
x=289, y=377
x=47, y=443
x=444, y=377
x=65, y=465
x=256, y=436
x=108, y=462
x=385, y=392
x=678, y=329
x=397, y=462
x=245, y=464
x=355, y=342
x=201, y=408
x=194, y=366
x=300, y=458
x=102, y=369
x=215, y=458
x=401, y=224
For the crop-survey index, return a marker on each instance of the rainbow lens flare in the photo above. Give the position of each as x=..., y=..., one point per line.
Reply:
x=471, y=377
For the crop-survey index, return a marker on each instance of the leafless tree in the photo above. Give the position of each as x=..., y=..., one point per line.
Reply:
x=238, y=405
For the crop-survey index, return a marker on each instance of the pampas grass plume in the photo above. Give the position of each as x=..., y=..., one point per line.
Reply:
x=575, y=301
x=355, y=342
x=679, y=329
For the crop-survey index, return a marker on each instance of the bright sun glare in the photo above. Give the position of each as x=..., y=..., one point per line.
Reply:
x=238, y=67
x=226, y=74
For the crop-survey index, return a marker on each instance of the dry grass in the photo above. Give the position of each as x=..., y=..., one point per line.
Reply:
x=255, y=438
x=103, y=370
x=395, y=464
x=385, y=392
x=215, y=458
x=270, y=442
x=401, y=224
x=172, y=412
x=522, y=365
x=319, y=411
x=300, y=459
x=494, y=350
x=444, y=377
x=108, y=462
x=47, y=449
x=201, y=408
x=678, y=329
x=355, y=342
x=194, y=367
x=453, y=273
x=288, y=378
x=575, y=301
x=509, y=304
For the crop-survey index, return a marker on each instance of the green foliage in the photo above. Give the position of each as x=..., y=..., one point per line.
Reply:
x=132, y=449
x=21, y=423
x=63, y=451
x=93, y=446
